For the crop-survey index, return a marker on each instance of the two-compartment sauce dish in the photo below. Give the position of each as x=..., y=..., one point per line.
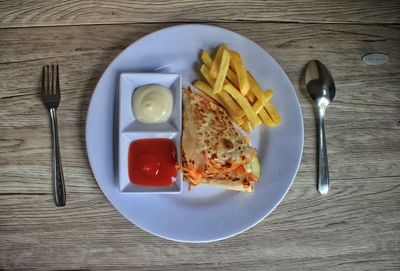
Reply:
x=149, y=133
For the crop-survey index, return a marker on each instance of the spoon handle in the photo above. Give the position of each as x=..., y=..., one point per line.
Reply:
x=323, y=172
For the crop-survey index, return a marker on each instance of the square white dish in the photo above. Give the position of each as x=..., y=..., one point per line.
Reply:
x=130, y=129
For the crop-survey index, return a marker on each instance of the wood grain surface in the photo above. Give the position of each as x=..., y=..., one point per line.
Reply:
x=355, y=227
x=19, y=13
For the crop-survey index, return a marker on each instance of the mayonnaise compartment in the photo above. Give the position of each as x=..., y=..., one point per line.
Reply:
x=152, y=103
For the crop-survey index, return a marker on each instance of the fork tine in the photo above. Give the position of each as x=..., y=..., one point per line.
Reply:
x=57, y=80
x=52, y=79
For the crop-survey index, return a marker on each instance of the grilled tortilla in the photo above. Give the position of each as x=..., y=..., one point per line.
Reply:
x=214, y=152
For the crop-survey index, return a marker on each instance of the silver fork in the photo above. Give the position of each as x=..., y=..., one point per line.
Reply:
x=51, y=99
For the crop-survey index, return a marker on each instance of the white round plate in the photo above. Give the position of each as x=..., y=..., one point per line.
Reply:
x=204, y=214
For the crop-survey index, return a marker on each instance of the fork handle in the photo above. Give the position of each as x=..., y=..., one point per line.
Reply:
x=58, y=176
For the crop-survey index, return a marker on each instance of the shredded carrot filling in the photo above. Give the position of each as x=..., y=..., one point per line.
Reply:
x=193, y=174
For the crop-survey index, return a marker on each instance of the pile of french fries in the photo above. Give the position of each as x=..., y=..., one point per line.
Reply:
x=227, y=81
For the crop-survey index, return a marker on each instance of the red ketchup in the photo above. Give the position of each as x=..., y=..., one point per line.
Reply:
x=151, y=162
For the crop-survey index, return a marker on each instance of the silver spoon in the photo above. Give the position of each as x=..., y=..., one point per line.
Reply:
x=320, y=86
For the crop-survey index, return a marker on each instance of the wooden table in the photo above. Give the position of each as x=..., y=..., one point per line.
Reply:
x=355, y=227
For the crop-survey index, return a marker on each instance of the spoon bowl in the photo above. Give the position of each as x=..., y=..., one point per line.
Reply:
x=319, y=82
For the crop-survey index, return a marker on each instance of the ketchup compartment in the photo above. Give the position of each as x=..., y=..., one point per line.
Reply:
x=152, y=162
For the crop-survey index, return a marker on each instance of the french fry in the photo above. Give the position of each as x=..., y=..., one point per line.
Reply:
x=204, y=70
x=273, y=113
x=229, y=83
x=204, y=87
x=223, y=95
x=244, y=104
x=255, y=88
x=232, y=78
x=264, y=97
x=206, y=74
x=237, y=65
x=223, y=70
x=268, y=94
x=258, y=105
x=217, y=60
x=246, y=126
x=251, y=97
x=228, y=103
x=266, y=119
x=239, y=121
x=235, y=118
x=206, y=58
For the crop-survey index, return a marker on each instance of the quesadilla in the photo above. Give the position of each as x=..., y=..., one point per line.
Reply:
x=214, y=151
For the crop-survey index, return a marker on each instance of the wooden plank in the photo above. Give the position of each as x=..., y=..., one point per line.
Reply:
x=355, y=227
x=352, y=228
x=21, y=13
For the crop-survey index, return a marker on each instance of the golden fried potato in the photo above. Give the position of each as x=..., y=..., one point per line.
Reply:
x=273, y=113
x=230, y=103
x=206, y=88
x=223, y=95
x=251, y=97
x=206, y=74
x=206, y=58
x=229, y=83
x=223, y=70
x=217, y=60
x=268, y=94
x=244, y=104
x=237, y=65
x=246, y=126
x=266, y=119
x=223, y=98
x=255, y=88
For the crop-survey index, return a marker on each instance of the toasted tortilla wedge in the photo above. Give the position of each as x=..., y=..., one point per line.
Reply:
x=214, y=152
